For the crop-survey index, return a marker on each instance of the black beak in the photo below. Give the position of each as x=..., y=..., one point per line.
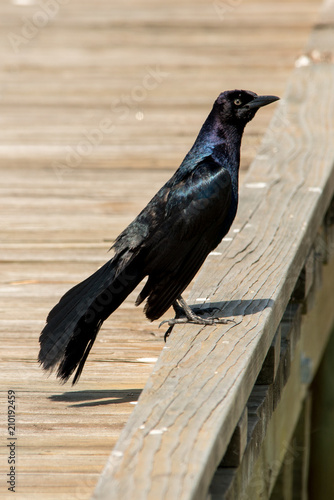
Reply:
x=261, y=100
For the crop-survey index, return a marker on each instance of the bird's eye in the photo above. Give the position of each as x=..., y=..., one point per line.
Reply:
x=237, y=102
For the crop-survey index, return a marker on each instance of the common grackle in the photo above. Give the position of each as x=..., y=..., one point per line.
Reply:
x=167, y=242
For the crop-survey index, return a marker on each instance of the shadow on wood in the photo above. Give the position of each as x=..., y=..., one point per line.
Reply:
x=97, y=398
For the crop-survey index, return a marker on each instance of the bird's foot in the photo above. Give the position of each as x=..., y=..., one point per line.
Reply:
x=196, y=320
x=190, y=317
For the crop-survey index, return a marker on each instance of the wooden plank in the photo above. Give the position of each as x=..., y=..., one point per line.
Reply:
x=82, y=69
x=204, y=375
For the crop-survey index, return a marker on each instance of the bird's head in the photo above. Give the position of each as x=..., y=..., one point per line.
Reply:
x=240, y=106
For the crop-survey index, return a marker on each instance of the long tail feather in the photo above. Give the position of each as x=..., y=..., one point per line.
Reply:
x=72, y=325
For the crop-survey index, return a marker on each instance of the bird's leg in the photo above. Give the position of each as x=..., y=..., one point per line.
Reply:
x=180, y=305
x=190, y=315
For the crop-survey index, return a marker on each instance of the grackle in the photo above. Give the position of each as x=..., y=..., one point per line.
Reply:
x=167, y=242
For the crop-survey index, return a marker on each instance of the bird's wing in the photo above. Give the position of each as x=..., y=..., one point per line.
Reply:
x=194, y=222
x=193, y=192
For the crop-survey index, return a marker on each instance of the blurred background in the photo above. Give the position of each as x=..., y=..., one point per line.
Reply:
x=150, y=69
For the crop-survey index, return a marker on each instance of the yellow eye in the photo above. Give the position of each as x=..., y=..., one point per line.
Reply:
x=237, y=102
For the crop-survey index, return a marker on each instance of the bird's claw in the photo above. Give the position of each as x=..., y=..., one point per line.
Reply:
x=196, y=320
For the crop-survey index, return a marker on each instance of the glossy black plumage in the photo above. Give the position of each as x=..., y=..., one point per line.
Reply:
x=168, y=241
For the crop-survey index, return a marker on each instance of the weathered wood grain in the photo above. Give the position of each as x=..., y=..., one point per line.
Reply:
x=186, y=414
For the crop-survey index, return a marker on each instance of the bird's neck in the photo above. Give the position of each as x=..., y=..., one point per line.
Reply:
x=223, y=143
x=226, y=151
x=220, y=141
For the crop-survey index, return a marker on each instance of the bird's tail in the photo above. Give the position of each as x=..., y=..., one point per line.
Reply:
x=72, y=325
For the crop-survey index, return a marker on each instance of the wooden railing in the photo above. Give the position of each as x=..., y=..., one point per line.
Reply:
x=217, y=416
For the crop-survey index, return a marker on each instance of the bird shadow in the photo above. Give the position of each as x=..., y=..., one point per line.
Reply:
x=79, y=399
x=229, y=308
x=222, y=312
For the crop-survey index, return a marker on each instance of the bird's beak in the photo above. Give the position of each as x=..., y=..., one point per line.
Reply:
x=261, y=100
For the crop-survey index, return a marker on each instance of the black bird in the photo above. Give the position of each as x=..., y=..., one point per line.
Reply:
x=168, y=241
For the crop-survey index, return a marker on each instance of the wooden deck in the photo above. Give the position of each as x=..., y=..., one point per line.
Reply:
x=100, y=101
